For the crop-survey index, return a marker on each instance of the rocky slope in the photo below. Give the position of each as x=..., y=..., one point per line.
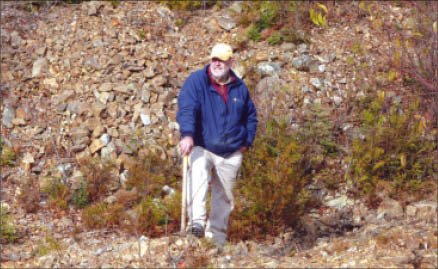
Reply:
x=90, y=80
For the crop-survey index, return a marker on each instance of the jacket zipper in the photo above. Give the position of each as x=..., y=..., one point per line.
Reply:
x=227, y=110
x=226, y=103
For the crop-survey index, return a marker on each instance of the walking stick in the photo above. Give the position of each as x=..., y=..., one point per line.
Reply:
x=184, y=194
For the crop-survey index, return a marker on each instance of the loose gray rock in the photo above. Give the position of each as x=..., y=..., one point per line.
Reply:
x=168, y=190
x=106, y=153
x=41, y=51
x=149, y=72
x=39, y=66
x=14, y=257
x=92, y=62
x=78, y=107
x=110, y=200
x=106, y=87
x=8, y=116
x=426, y=210
x=102, y=97
x=288, y=46
x=16, y=40
x=338, y=100
x=307, y=100
x=316, y=82
x=226, y=23
x=236, y=7
x=145, y=119
x=78, y=148
x=340, y=202
x=268, y=68
x=101, y=250
x=331, y=57
x=306, y=89
x=93, y=7
x=4, y=36
x=303, y=48
x=239, y=70
x=158, y=81
x=321, y=68
x=61, y=98
x=124, y=178
x=78, y=134
x=98, y=44
x=65, y=169
x=301, y=62
x=314, y=66
x=145, y=94
x=390, y=208
x=121, y=88
x=105, y=138
x=268, y=87
x=92, y=11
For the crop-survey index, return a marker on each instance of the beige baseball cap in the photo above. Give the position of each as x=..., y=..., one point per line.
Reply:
x=222, y=51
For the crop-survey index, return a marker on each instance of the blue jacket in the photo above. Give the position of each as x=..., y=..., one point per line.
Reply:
x=213, y=124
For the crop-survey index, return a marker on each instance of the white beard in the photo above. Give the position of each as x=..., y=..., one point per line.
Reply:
x=219, y=75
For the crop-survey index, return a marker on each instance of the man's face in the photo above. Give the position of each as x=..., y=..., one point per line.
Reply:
x=219, y=68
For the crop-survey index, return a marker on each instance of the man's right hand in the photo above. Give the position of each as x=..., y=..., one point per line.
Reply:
x=186, y=145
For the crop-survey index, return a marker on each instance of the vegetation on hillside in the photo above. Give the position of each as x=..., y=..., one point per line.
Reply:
x=394, y=142
x=8, y=231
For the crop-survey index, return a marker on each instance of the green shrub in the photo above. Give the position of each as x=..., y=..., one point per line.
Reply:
x=116, y=215
x=253, y=33
x=269, y=15
x=99, y=175
x=150, y=173
x=264, y=16
x=115, y=3
x=275, y=38
x=8, y=231
x=94, y=215
x=59, y=194
x=292, y=36
x=101, y=215
x=151, y=216
x=80, y=196
x=146, y=178
x=274, y=15
x=317, y=132
x=48, y=245
x=185, y=5
x=416, y=54
x=271, y=195
x=7, y=156
x=172, y=204
x=393, y=148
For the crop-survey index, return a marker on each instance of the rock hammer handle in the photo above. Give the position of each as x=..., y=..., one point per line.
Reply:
x=184, y=194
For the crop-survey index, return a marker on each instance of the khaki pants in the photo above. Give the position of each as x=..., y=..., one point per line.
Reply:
x=222, y=178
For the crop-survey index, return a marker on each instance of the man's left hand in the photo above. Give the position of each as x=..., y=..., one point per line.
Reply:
x=243, y=149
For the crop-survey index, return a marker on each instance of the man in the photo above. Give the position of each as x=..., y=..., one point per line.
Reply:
x=218, y=122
